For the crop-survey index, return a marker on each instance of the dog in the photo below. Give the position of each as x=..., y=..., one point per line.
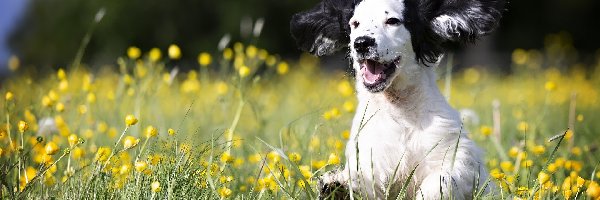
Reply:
x=405, y=137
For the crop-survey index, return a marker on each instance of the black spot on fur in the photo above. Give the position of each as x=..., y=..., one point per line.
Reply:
x=328, y=19
x=333, y=191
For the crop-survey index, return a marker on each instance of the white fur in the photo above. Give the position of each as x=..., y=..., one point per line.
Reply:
x=408, y=125
x=446, y=26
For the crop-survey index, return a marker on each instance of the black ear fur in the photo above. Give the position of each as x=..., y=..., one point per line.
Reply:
x=323, y=29
x=438, y=24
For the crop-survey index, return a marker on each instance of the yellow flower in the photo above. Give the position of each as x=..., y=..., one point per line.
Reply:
x=497, y=174
x=73, y=139
x=569, y=134
x=333, y=159
x=550, y=86
x=9, y=96
x=155, y=186
x=273, y=156
x=576, y=151
x=204, y=59
x=82, y=109
x=305, y=171
x=346, y=134
x=140, y=166
x=345, y=88
x=254, y=158
x=271, y=60
x=46, y=101
x=251, y=51
x=227, y=54
x=125, y=169
x=78, y=153
x=593, y=190
x=133, y=52
x=539, y=150
x=349, y=106
x=507, y=166
x=282, y=68
x=63, y=85
x=523, y=126
x=262, y=54
x=552, y=168
x=174, y=52
x=224, y=192
x=318, y=164
x=301, y=183
x=51, y=148
x=23, y=126
x=244, y=71
x=225, y=179
x=130, y=120
x=151, y=131
x=527, y=163
x=226, y=158
x=222, y=88
x=102, y=154
x=1, y=151
x=155, y=54
x=295, y=157
x=130, y=142
x=580, y=118
x=171, y=132
x=154, y=159
x=560, y=162
x=485, y=130
x=543, y=177
x=61, y=74
x=91, y=97
x=60, y=107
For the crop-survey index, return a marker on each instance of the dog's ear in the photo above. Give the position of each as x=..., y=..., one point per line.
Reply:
x=436, y=25
x=323, y=29
x=466, y=20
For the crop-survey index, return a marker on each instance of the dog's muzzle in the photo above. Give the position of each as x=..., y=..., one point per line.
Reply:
x=365, y=46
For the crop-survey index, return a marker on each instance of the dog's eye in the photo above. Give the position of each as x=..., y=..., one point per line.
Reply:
x=393, y=21
x=354, y=24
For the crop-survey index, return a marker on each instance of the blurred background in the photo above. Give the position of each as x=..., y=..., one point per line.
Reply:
x=48, y=33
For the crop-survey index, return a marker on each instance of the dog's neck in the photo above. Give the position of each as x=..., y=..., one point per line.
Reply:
x=413, y=99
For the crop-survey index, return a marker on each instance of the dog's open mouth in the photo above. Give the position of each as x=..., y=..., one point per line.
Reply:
x=376, y=74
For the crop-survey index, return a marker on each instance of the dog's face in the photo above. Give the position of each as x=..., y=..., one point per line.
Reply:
x=384, y=36
x=380, y=43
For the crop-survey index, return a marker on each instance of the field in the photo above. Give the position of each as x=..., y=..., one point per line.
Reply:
x=244, y=124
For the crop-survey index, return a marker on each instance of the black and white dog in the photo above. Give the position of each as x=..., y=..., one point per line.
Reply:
x=402, y=123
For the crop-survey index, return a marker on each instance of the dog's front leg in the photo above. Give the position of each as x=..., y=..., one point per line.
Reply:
x=333, y=185
x=438, y=186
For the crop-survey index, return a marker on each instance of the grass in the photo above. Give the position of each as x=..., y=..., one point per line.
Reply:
x=244, y=124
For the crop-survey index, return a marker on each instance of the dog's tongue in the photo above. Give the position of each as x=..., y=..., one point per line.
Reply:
x=372, y=71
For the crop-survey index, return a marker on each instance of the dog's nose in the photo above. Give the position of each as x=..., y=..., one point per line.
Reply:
x=362, y=44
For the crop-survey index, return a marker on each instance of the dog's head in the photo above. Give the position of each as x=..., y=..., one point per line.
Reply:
x=385, y=35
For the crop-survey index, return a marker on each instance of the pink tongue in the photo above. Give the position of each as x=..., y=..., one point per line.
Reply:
x=372, y=71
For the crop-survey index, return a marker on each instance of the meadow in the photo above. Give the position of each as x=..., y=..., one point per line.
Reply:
x=244, y=124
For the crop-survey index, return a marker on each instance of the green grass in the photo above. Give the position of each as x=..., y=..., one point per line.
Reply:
x=251, y=126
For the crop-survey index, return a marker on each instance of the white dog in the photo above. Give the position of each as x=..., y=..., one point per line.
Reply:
x=405, y=136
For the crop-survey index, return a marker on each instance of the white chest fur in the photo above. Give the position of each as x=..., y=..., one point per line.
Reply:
x=410, y=127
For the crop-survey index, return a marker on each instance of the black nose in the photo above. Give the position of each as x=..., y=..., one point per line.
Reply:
x=362, y=44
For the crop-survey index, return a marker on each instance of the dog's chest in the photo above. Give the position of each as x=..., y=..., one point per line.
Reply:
x=381, y=145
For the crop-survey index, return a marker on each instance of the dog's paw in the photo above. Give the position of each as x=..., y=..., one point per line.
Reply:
x=330, y=187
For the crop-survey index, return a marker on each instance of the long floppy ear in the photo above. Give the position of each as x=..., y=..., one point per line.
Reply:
x=436, y=25
x=466, y=20
x=323, y=29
